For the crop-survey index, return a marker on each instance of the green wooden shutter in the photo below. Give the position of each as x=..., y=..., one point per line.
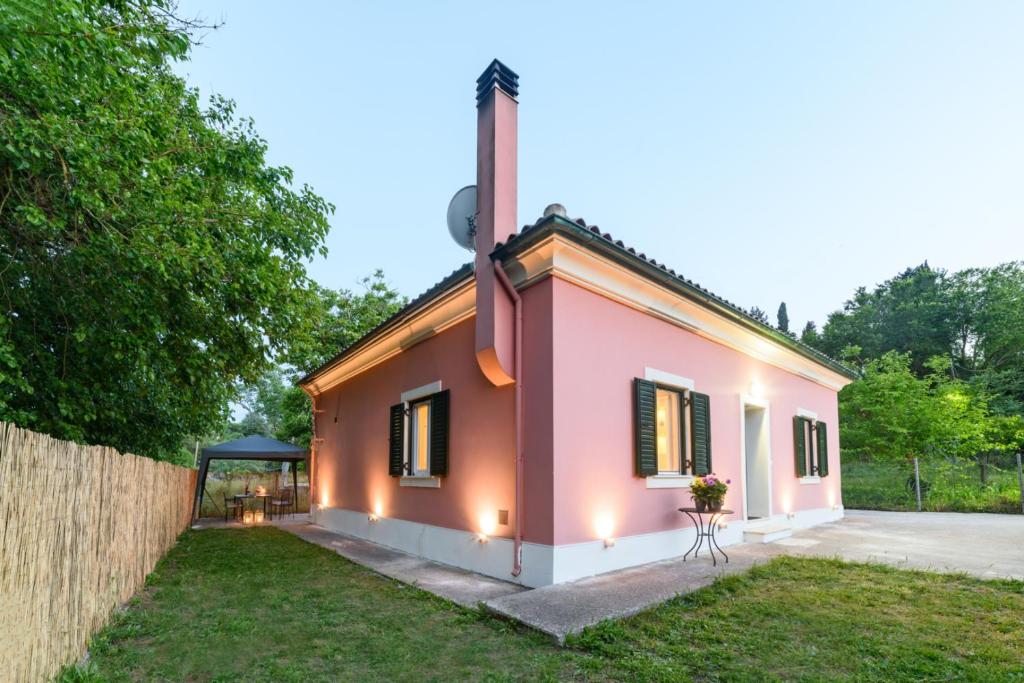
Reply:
x=396, y=434
x=645, y=396
x=822, y=449
x=800, y=445
x=700, y=433
x=439, y=434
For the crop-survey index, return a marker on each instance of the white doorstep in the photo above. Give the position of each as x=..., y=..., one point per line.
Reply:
x=766, y=532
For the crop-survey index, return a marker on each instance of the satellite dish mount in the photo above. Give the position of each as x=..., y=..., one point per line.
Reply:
x=462, y=215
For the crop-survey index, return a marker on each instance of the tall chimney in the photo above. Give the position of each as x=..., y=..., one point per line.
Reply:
x=496, y=92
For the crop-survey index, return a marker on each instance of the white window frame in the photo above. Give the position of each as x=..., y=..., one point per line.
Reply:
x=412, y=432
x=417, y=478
x=668, y=380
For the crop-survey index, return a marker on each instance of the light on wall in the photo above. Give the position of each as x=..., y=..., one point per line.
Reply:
x=605, y=527
x=376, y=514
x=323, y=498
x=756, y=389
x=488, y=525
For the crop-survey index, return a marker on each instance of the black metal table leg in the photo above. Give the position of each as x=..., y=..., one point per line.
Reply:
x=715, y=540
x=696, y=541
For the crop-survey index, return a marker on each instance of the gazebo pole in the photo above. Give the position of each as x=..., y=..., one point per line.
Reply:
x=295, y=486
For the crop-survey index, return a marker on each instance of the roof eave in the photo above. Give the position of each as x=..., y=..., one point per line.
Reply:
x=658, y=273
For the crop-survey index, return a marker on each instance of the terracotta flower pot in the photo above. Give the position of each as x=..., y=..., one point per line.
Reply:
x=701, y=505
x=715, y=506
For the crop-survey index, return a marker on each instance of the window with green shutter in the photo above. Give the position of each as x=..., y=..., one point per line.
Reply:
x=396, y=441
x=700, y=416
x=810, y=447
x=418, y=437
x=664, y=416
x=822, y=456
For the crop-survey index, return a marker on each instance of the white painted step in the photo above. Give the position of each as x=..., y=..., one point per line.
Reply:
x=766, y=532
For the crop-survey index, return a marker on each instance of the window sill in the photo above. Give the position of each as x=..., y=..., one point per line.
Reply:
x=810, y=480
x=421, y=482
x=669, y=481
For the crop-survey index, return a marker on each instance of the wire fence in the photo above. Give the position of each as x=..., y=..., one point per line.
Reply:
x=80, y=528
x=988, y=484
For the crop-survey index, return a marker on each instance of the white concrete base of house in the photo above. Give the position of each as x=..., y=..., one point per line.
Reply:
x=544, y=565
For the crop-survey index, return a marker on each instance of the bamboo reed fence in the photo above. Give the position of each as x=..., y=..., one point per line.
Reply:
x=80, y=528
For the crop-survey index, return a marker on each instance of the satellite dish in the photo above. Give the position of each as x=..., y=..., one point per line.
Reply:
x=462, y=217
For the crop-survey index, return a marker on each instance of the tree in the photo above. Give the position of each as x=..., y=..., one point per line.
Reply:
x=910, y=313
x=783, y=318
x=276, y=406
x=150, y=258
x=341, y=318
x=759, y=315
x=810, y=335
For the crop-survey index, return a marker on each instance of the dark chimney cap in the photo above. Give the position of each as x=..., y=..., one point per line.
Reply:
x=497, y=75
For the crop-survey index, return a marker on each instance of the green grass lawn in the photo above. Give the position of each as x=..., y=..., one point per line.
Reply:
x=262, y=605
x=948, y=487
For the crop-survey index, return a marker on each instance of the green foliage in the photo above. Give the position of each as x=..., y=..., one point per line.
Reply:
x=150, y=258
x=810, y=335
x=947, y=485
x=276, y=406
x=974, y=317
x=891, y=413
x=342, y=317
x=782, y=318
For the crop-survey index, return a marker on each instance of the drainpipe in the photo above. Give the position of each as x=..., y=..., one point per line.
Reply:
x=517, y=562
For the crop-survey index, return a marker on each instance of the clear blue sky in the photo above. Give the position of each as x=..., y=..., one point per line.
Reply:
x=769, y=151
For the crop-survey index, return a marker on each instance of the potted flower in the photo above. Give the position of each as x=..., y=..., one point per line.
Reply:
x=708, y=492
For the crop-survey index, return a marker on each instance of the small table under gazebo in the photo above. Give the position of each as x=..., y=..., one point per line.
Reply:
x=249, y=448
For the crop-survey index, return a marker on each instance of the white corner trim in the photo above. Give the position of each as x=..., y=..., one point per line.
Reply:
x=809, y=414
x=420, y=392
x=662, y=377
x=815, y=479
x=421, y=482
x=669, y=481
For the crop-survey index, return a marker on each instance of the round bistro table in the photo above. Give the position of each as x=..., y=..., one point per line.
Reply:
x=705, y=533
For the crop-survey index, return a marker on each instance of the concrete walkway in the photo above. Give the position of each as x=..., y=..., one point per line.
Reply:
x=987, y=546
x=458, y=585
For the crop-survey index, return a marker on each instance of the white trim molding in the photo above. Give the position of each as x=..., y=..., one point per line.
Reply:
x=543, y=565
x=669, y=481
x=809, y=414
x=420, y=392
x=667, y=378
x=810, y=479
x=420, y=482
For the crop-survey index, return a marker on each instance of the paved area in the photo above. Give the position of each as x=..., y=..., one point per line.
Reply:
x=458, y=585
x=987, y=546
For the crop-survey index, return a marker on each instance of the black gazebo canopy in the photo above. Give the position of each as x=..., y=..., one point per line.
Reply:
x=248, y=448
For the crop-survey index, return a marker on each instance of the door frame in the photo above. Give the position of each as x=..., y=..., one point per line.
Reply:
x=763, y=404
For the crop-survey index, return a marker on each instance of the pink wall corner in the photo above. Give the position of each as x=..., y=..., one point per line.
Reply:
x=352, y=461
x=538, y=414
x=599, y=347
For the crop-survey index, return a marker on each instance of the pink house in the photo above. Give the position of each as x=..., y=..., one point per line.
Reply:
x=538, y=414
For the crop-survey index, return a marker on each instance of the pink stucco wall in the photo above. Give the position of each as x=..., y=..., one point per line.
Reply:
x=599, y=346
x=352, y=461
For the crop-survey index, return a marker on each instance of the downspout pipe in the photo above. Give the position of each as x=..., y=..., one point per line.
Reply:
x=506, y=283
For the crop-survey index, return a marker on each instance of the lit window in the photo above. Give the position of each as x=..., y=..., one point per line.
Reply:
x=419, y=438
x=669, y=438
